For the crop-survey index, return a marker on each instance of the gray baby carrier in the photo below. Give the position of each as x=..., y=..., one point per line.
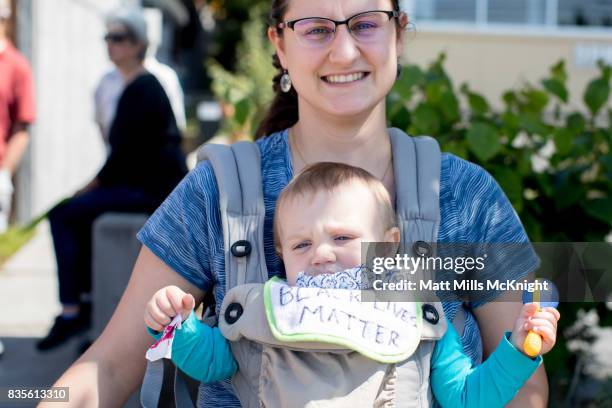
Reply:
x=273, y=373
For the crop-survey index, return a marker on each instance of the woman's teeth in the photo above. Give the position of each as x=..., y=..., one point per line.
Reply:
x=343, y=79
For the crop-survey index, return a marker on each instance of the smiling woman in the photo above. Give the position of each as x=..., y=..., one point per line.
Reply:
x=337, y=61
x=337, y=65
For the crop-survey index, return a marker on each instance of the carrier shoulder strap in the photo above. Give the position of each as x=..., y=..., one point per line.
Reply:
x=416, y=163
x=237, y=170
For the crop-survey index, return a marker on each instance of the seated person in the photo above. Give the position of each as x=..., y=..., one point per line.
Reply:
x=144, y=165
x=322, y=218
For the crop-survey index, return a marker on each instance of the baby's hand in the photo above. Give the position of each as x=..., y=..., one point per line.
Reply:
x=541, y=321
x=165, y=304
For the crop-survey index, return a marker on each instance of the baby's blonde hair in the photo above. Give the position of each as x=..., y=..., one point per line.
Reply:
x=328, y=176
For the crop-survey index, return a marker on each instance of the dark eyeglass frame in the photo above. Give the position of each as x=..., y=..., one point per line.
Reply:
x=116, y=38
x=291, y=24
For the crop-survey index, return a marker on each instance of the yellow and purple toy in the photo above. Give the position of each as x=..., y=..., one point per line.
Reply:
x=548, y=297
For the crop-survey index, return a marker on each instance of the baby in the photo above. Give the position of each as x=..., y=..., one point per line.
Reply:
x=321, y=220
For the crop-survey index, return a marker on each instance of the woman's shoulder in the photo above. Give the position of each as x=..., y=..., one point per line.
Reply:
x=201, y=180
x=474, y=206
x=275, y=160
x=461, y=179
x=273, y=145
x=146, y=85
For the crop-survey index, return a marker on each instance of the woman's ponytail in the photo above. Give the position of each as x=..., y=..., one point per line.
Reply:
x=283, y=112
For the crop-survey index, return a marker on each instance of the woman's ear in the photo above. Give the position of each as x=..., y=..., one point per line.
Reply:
x=402, y=21
x=278, y=42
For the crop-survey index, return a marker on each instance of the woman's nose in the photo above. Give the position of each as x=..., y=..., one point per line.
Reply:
x=343, y=47
x=323, y=254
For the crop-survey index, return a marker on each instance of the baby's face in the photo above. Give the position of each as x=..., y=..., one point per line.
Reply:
x=324, y=230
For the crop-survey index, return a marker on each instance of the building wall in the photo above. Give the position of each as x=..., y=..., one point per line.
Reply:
x=63, y=41
x=494, y=59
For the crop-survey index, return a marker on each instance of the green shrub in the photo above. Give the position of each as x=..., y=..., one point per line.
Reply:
x=246, y=93
x=573, y=181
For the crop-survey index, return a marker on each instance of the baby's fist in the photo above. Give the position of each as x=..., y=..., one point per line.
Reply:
x=165, y=304
x=542, y=322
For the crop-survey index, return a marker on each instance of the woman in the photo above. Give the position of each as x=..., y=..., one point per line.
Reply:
x=145, y=163
x=330, y=106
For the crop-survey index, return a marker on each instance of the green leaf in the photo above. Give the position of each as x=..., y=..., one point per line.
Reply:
x=450, y=106
x=477, y=102
x=597, y=94
x=606, y=160
x=510, y=99
x=510, y=120
x=512, y=185
x=434, y=91
x=556, y=88
x=456, y=148
x=533, y=226
x=563, y=141
x=425, y=120
x=532, y=123
x=483, y=140
x=600, y=208
x=576, y=123
x=243, y=108
x=558, y=72
x=524, y=163
x=535, y=100
x=545, y=184
x=400, y=118
x=568, y=195
x=411, y=77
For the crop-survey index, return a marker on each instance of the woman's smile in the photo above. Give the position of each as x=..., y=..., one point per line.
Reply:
x=345, y=79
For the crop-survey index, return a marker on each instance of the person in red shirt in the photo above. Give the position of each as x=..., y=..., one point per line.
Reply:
x=17, y=110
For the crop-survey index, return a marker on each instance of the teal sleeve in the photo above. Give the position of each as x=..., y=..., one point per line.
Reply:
x=492, y=384
x=201, y=351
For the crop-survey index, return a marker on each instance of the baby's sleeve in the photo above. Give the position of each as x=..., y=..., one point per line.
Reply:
x=202, y=352
x=491, y=384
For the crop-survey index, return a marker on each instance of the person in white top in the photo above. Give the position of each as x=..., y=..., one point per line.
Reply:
x=111, y=84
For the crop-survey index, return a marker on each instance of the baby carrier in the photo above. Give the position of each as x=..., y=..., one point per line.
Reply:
x=274, y=373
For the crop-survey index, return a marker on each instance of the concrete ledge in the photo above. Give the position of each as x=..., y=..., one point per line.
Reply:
x=115, y=249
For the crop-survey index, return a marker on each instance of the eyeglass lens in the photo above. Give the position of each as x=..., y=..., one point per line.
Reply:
x=115, y=37
x=366, y=27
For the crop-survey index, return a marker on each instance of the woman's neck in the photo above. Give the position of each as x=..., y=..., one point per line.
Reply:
x=361, y=141
x=130, y=70
x=353, y=140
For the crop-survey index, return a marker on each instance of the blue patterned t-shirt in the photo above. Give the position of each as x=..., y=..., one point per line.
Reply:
x=186, y=231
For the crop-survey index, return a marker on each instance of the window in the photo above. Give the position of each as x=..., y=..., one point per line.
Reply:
x=585, y=12
x=517, y=11
x=597, y=13
x=446, y=10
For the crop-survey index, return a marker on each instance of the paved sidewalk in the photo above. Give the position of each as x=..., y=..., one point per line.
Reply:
x=28, y=288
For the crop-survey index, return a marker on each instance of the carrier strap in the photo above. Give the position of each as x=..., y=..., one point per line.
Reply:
x=416, y=163
x=237, y=170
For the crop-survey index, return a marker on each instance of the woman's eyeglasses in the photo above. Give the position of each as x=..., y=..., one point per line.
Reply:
x=116, y=38
x=366, y=27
